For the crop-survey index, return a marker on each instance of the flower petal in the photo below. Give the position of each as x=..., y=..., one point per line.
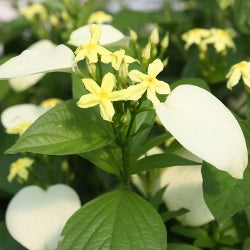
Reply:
x=108, y=82
x=107, y=110
x=155, y=67
x=234, y=77
x=87, y=101
x=136, y=91
x=21, y=113
x=35, y=61
x=162, y=87
x=205, y=127
x=184, y=190
x=136, y=76
x=82, y=35
x=91, y=85
x=35, y=218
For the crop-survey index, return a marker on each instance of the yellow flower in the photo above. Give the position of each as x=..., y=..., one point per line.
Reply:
x=19, y=129
x=35, y=10
x=99, y=17
x=19, y=168
x=92, y=49
x=148, y=83
x=221, y=39
x=102, y=96
x=238, y=70
x=116, y=59
x=195, y=36
x=50, y=103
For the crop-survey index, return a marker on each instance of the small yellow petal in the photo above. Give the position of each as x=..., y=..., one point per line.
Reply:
x=107, y=110
x=91, y=85
x=108, y=82
x=155, y=67
x=87, y=101
x=136, y=76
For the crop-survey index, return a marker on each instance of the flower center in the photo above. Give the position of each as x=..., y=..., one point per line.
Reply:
x=242, y=65
x=150, y=80
x=91, y=46
x=103, y=94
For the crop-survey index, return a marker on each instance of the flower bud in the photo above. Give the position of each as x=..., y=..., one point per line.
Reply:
x=123, y=71
x=154, y=37
x=146, y=53
x=133, y=35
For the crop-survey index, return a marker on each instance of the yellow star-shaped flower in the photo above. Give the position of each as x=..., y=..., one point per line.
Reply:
x=195, y=36
x=102, y=96
x=19, y=168
x=116, y=59
x=221, y=39
x=92, y=49
x=148, y=83
x=238, y=70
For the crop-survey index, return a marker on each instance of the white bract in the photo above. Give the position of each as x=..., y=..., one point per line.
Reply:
x=35, y=217
x=24, y=82
x=59, y=59
x=205, y=127
x=19, y=117
x=184, y=190
x=82, y=35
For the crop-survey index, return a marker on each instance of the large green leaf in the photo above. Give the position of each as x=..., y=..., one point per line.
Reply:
x=160, y=161
x=65, y=129
x=117, y=220
x=241, y=15
x=108, y=158
x=223, y=194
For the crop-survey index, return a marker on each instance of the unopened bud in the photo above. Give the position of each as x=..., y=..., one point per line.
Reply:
x=165, y=41
x=165, y=62
x=154, y=37
x=133, y=35
x=123, y=71
x=92, y=69
x=146, y=53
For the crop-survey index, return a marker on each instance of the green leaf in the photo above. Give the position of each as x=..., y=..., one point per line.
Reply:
x=65, y=129
x=160, y=161
x=202, y=239
x=150, y=144
x=156, y=199
x=77, y=87
x=180, y=246
x=224, y=195
x=241, y=15
x=193, y=81
x=142, y=126
x=6, y=241
x=117, y=220
x=108, y=158
x=246, y=245
x=166, y=216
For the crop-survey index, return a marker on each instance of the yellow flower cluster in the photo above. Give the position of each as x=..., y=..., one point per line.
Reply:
x=110, y=90
x=19, y=168
x=219, y=38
